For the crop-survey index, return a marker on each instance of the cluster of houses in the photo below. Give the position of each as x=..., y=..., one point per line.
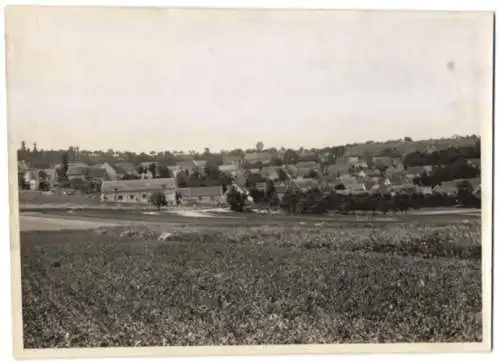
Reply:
x=122, y=182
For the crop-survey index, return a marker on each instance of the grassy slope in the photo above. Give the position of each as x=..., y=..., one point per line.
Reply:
x=248, y=286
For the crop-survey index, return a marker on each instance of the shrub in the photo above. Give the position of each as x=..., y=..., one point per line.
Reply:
x=236, y=200
x=158, y=199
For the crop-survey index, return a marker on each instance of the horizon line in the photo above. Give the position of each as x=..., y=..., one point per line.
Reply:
x=454, y=136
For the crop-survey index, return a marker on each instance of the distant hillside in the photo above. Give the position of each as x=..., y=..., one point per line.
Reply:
x=47, y=158
x=404, y=147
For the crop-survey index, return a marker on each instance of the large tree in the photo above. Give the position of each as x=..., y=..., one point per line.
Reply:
x=259, y=146
x=158, y=199
x=152, y=169
x=65, y=165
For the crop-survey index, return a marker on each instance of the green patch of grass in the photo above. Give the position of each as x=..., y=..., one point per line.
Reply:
x=248, y=286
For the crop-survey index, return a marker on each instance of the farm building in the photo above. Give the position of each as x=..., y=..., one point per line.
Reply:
x=209, y=195
x=137, y=191
x=229, y=168
x=232, y=160
x=77, y=170
x=381, y=161
x=271, y=172
x=415, y=171
x=446, y=187
x=475, y=162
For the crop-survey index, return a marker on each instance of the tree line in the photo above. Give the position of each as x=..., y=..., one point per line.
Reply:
x=318, y=201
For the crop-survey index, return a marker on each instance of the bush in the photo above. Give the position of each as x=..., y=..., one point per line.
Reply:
x=236, y=200
x=158, y=199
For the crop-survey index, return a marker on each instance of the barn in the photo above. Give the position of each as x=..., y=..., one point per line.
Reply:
x=137, y=191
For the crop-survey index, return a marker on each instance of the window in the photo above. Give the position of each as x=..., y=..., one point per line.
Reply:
x=120, y=197
x=131, y=197
x=200, y=198
x=144, y=196
x=105, y=197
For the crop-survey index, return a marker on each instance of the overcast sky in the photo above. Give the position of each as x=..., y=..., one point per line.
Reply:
x=157, y=79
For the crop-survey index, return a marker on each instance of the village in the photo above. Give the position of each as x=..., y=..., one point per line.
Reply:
x=194, y=179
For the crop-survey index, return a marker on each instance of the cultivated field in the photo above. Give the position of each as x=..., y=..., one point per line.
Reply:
x=125, y=286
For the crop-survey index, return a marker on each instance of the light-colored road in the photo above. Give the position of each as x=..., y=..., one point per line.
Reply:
x=87, y=219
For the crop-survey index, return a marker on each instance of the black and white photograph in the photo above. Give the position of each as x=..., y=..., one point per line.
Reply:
x=249, y=178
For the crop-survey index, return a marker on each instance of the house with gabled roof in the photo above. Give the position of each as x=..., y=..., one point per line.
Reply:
x=208, y=195
x=200, y=163
x=126, y=168
x=306, y=184
x=113, y=174
x=428, y=168
x=184, y=157
x=254, y=157
x=446, y=187
x=414, y=171
x=77, y=170
x=236, y=160
x=229, y=168
x=271, y=172
x=22, y=166
x=475, y=162
x=474, y=182
x=382, y=161
x=308, y=164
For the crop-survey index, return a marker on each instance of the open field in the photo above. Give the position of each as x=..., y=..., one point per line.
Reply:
x=35, y=222
x=263, y=284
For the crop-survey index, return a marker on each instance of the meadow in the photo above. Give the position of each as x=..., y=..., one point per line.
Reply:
x=355, y=283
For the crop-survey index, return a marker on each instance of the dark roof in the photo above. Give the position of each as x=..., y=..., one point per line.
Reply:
x=228, y=168
x=126, y=167
x=138, y=185
x=258, y=156
x=97, y=172
x=232, y=158
x=79, y=170
x=200, y=191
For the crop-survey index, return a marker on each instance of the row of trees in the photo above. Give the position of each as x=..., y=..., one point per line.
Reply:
x=40, y=158
x=318, y=200
x=458, y=170
x=444, y=157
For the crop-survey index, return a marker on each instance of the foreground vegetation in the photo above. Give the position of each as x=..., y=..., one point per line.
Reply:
x=261, y=285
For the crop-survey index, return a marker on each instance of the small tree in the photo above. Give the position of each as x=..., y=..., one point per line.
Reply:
x=259, y=146
x=282, y=175
x=465, y=193
x=158, y=199
x=152, y=169
x=65, y=165
x=164, y=172
x=236, y=199
x=20, y=180
x=178, y=198
x=339, y=187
